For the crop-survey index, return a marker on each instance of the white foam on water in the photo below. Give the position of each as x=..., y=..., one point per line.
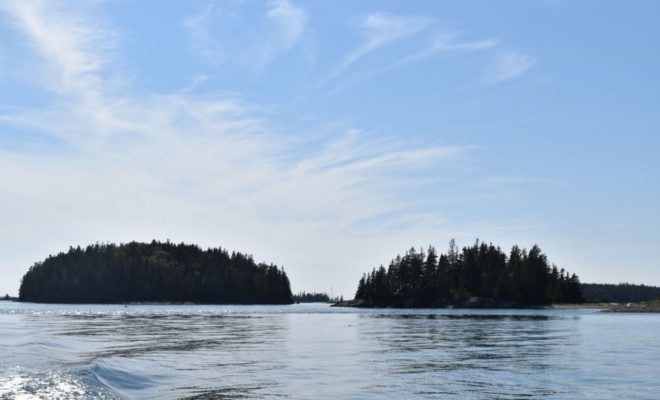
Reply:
x=22, y=384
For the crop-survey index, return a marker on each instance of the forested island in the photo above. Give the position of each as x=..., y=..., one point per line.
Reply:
x=620, y=293
x=480, y=275
x=304, y=297
x=154, y=272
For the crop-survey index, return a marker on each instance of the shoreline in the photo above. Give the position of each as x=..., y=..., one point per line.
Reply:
x=630, y=307
x=151, y=303
x=639, y=307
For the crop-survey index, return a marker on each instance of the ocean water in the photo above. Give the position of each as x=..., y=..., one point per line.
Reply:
x=318, y=352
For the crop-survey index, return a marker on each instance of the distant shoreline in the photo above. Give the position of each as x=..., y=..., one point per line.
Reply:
x=630, y=307
x=151, y=303
x=639, y=307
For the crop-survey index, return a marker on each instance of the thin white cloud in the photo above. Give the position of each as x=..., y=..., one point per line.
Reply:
x=512, y=181
x=509, y=65
x=199, y=168
x=76, y=55
x=441, y=43
x=203, y=42
x=279, y=30
x=287, y=27
x=448, y=42
x=380, y=29
x=290, y=20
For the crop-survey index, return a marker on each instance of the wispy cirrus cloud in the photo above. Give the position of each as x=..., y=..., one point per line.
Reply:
x=290, y=20
x=76, y=55
x=439, y=43
x=218, y=34
x=430, y=40
x=448, y=42
x=378, y=30
x=194, y=166
x=509, y=65
x=204, y=43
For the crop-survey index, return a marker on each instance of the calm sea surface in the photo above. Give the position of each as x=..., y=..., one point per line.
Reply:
x=319, y=352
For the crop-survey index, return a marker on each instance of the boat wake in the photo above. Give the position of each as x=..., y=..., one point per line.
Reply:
x=24, y=384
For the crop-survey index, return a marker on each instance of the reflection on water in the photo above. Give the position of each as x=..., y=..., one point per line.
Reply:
x=463, y=355
x=233, y=352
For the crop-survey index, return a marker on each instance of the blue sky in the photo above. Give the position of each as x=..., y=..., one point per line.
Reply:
x=329, y=136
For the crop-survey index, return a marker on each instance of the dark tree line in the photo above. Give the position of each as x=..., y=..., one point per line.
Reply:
x=304, y=297
x=154, y=272
x=621, y=293
x=477, y=275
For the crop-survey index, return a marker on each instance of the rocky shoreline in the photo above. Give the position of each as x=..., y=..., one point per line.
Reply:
x=637, y=307
x=472, y=302
x=483, y=303
x=641, y=307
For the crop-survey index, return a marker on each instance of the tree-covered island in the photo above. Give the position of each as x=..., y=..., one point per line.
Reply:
x=305, y=297
x=480, y=275
x=620, y=293
x=154, y=272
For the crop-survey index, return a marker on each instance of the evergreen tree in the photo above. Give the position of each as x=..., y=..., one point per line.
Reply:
x=481, y=270
x=155, y=271
x=622, y=292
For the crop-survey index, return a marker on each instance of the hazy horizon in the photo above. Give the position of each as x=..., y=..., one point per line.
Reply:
x=328, y=137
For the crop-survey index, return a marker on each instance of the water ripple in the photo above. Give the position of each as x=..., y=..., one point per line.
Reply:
x=305, y=352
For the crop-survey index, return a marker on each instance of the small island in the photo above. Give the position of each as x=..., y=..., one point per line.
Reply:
x=309, y=297
x=620, y=293
x=478, y=276
x=154, y=272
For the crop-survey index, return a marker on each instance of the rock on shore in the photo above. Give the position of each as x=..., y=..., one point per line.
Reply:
x=641, y=307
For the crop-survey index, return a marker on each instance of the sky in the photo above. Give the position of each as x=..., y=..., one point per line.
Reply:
x=329, y=136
